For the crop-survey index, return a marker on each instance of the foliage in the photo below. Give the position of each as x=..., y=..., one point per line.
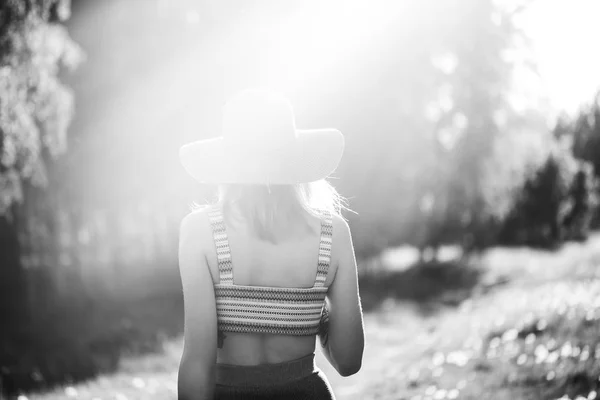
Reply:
x=584, y=132
x=537, y=210
x=443, y=146
x=426, y=284
x=46, y=353
x=35, y=107
x=559, y=192
x=583, y=203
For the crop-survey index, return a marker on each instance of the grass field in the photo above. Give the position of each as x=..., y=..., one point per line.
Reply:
x=528, y=329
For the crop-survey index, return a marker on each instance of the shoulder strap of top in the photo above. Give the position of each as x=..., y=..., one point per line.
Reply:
x=217, y=223
x=324, y=248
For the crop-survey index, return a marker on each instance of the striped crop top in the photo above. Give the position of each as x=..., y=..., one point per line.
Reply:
x=260, y=309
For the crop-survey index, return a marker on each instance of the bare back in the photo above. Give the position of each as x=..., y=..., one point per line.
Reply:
x=291, y=262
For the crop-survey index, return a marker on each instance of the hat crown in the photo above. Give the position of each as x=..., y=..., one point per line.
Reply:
x=258, y=115
x=260, y=145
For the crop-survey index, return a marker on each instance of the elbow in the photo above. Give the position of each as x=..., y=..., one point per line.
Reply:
x=349, y=370
x=195, y=379
x=349, y=362
x=351, y=365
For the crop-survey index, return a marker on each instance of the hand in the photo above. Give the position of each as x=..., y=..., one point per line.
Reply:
x=324, y=326
x=220, y=339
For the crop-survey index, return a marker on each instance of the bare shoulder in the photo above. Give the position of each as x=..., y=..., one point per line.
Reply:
x=342, y=249
x=195, y=229
x=341, y=231
x=195, y=218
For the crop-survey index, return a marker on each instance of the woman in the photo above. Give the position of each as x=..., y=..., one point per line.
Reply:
x=271, y=265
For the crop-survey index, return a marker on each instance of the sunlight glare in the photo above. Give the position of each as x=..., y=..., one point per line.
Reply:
x=563, y=44
x=311, y=44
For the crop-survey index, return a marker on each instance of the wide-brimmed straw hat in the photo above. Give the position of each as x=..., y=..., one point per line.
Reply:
x=261, y=145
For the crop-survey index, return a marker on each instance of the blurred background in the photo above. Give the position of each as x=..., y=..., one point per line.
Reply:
x=472, y=161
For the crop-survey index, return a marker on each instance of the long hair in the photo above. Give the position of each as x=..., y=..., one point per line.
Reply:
x=264, y=208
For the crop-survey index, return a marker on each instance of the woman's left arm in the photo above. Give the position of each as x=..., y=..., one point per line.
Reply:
x=196, y=379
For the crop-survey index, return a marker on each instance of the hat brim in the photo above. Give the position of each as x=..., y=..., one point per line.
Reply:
x=313, y=155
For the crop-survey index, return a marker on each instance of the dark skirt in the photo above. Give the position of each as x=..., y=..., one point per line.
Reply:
x=294, y=380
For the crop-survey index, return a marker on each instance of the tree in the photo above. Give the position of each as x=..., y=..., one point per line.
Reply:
x=585, y=134
x=436, y=164
x=539, y=210
x=35, y=107
x=35, y=111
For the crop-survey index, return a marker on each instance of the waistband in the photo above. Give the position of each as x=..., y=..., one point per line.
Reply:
x=265, y=374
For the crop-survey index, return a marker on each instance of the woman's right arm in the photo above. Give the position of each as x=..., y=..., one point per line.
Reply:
x=345, y=339
x=196, y=378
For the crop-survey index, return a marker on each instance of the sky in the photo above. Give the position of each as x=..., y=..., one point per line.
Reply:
x=564, y=41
